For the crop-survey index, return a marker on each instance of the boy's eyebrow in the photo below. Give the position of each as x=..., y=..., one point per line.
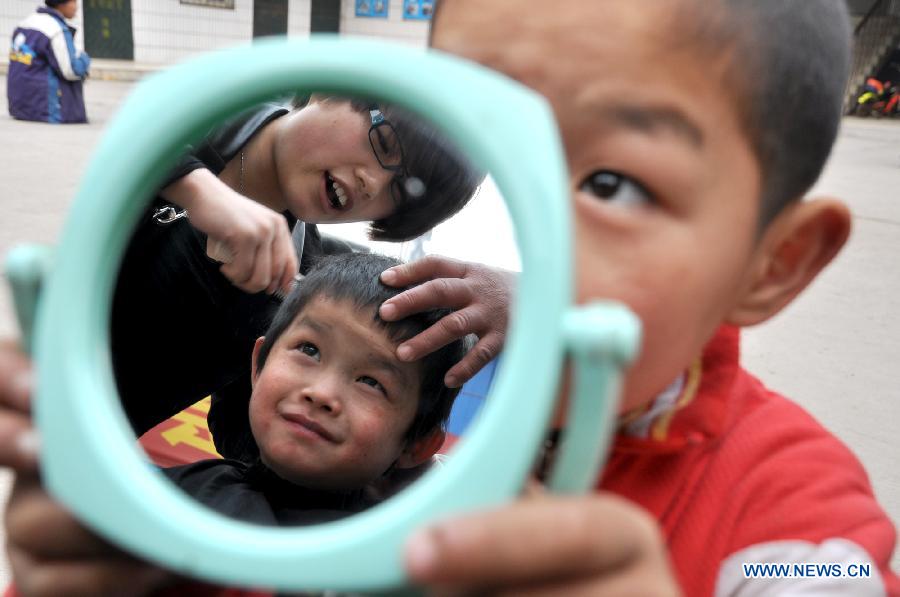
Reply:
x=311, y=323
x=376, y=358
x=385, y=363
x=651, y=119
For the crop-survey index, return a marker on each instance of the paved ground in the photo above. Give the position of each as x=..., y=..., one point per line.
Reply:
x=835, y=351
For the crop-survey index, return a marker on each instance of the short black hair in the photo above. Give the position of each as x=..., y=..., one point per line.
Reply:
x=355, y=277
x=792, y=61
x=449, y=179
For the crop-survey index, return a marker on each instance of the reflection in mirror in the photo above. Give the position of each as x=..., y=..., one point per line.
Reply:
x=337, y=422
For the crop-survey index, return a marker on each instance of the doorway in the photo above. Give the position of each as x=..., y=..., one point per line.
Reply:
x=270, y=17
x=325, y=16
x=107, y=29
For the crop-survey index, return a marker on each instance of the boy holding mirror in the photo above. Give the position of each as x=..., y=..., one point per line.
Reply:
x=687, y=209
x=333, y=411
x=691, y=143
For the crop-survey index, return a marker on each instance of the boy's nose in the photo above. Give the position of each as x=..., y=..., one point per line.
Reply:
x=324, y=395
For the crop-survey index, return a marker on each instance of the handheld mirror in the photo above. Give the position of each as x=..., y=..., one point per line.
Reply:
x=89, y=459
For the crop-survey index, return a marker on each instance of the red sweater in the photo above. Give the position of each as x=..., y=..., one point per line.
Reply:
x=736, y=474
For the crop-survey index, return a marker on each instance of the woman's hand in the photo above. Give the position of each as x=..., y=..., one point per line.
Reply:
x=480, y=296
x=597, y=545
x=252, y=241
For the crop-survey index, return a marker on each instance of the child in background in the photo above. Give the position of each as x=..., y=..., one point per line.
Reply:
x=45, y=81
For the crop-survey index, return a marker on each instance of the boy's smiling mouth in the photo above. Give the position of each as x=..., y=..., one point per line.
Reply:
x=337, y=193
x=307, y=427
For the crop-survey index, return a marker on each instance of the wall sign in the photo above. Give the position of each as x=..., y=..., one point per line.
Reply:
x=419, y=10
x=211, y=3
x=372, y=8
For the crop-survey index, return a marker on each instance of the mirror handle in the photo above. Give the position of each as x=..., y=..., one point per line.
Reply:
x=602, y=338
x=27, y=266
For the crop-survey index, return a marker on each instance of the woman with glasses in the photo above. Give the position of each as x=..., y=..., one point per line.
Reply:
x=229, y=231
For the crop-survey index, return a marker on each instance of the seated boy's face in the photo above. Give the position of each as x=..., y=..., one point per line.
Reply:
x=664, y=183
x=331, y=405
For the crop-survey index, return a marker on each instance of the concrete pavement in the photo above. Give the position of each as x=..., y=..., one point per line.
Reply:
x=835, y=351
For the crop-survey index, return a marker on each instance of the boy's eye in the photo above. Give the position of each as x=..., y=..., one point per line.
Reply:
x=615, y=188
x=371, y=381
x=309, y=349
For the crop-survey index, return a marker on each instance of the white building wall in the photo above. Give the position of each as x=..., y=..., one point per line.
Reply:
x=414, y=33
x=298, y=17
x=166, y=31
x=14, y=11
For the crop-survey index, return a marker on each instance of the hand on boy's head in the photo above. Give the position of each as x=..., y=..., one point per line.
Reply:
x=18, y=440
x=479, y=295
x=597, y=545
x=53, y=555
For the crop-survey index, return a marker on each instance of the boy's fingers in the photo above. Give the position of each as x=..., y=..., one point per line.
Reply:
x=76, y=578
x=37, y=524
x=16, y=378
x=19, y=444
x=649, y=584
x=480, y=355
x=529, y=542
x=422, y=270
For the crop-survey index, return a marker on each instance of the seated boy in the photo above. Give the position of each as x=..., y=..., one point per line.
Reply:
x=333, y=411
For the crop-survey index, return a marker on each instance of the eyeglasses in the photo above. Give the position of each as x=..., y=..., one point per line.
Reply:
x=388, y=151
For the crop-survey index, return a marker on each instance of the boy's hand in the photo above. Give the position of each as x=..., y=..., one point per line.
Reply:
x=480, y=296
x=49, y=551
x=592, y=545
x=251, y=240
x=52, y=555
x=18, y=441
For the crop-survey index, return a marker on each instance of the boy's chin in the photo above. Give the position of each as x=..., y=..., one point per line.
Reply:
x=310, y=479
x=628, y=403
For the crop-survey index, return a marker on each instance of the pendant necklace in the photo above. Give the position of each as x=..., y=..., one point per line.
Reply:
x=241, y=175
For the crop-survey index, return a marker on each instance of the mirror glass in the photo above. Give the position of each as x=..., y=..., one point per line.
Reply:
x=320, y=420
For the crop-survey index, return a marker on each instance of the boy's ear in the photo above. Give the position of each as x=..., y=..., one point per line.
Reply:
x=421, y=450
x=253, y=360
x=795, y=247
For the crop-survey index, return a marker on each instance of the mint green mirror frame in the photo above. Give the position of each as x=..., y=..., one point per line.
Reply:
x=89, y=458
